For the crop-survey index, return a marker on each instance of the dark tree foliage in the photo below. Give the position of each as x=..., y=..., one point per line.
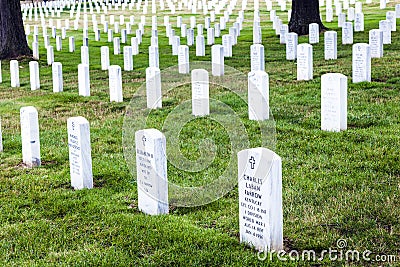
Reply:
x=12, y=35
x=304, y=12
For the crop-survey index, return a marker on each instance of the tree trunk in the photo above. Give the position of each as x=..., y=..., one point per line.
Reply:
x=12, y=35
x=304, y=12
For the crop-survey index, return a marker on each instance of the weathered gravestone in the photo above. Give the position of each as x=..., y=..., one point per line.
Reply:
x=258, y=95
x=80, y=158
x=30, y=136
x=260, y=199
x=151, y=167
x=333, y=102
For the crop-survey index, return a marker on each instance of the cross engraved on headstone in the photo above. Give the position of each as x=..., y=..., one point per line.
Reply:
x=252, y=162
x=144, y=140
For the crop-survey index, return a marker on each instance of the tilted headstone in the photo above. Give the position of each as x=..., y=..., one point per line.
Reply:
x=153, y=88
x=14, y=73
x=304, y=62
x=115, y=83
x=260, y=199
x=30, y=136
x=58, y=82
x=80, y=157
x=151, y=166
x=200, y=93
x=333, y=102
x=83, y=80
x=361, y=66
x=217, y=60
x=34, y=75
x=330, y=45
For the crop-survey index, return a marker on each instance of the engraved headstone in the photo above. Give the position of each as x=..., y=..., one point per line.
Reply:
x=80, y=158
x=260, y=199
x=153, y=88
x=34, y=75
x=258, y=95
x=347, y=33
x=304, y=62
x=313, y=37
x=376, y=43
x=128, y=58
x=183, y=59
x=257, y=59
x=30, y=136
x=200, y=93
x=105, y=57
x=217, y=60
x=330, y=45
x=57, y=77
x=83, y=80
x=151, y=167
x=115, y=83
x=291, y=46
x=361, y=66
x=333, y=102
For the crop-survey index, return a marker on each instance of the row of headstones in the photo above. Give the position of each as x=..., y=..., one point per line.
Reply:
x=259, y=176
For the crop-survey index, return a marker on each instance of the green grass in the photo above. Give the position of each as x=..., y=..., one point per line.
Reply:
x=335, y=185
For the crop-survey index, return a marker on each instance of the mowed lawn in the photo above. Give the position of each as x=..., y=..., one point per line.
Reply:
x=335, y=185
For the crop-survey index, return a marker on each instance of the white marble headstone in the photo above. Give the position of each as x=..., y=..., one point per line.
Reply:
x=361, y=66
x=330, y=45
x=115, y=83
x=313, y=36
x=304, y=62
x=376, y=43
x=151, y=166
x=347, y=33
x=34, y=75
x=200, y=46
x=258, y=95
x=30, y=136
x=217, y=59
x=83, y=80
x=257, y=59
x=333, y=102
x=200, y=93
x=14, y=73
x=58, y=82
x=260, y=199
x=183, y=59
x=80, y=158
x=105, y=57
x=291, y=46
x=153, y=88
x=128, y=58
